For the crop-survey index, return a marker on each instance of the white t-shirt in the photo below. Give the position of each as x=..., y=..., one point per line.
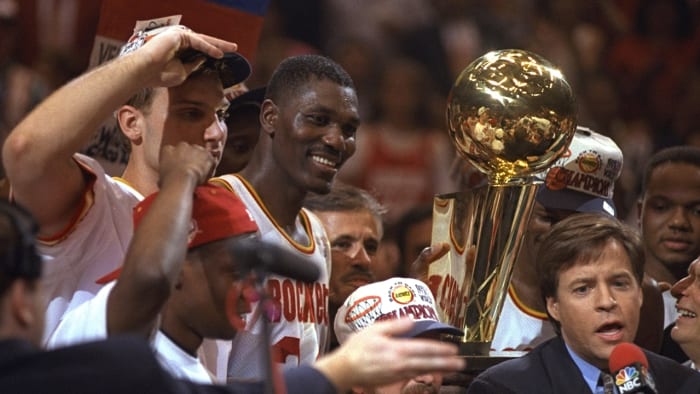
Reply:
x=519, y=328
x=670, y=313
x=178, y=362
x=88, y=322
x=300, y=332
x=94, y=245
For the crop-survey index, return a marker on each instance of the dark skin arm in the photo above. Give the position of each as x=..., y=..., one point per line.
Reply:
x=159, y=246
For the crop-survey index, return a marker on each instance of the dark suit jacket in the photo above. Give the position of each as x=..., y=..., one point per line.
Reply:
x=121, y=365
x=548, y=368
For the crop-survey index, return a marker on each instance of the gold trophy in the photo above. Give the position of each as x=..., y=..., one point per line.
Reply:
x=511, y=114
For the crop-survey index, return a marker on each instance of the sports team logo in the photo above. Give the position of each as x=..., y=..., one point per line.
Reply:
x=556, y=178
x=589, y=161
x=363, y=312
x=401, y=293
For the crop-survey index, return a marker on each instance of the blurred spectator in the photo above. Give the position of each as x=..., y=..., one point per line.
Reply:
x=20, y=87
x=243, y=131
x=401, y=156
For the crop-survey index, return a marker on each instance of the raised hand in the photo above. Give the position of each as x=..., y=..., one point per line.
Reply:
x=165, y=48
x=185, y=160
x=375, y=356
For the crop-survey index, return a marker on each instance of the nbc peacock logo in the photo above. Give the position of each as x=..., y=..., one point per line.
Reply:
x=625, y=375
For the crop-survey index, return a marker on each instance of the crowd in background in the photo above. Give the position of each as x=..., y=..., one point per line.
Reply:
x=632, y=64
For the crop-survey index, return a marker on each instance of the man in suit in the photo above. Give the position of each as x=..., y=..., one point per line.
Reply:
x=590, y=268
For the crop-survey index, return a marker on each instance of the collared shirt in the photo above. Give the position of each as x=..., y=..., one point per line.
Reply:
x=590, y=372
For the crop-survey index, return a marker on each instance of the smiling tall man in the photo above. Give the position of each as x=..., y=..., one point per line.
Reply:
x=590, y=268
x=308, y=122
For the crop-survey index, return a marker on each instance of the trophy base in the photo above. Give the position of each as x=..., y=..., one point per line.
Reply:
x=478, y=358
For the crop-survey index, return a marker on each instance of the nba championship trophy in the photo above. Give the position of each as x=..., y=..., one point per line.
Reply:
x=511, y=114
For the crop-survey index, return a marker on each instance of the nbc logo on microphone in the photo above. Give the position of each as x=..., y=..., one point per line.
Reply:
x=627, y=379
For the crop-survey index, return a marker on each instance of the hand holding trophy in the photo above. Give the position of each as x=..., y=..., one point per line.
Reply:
x=511, y=114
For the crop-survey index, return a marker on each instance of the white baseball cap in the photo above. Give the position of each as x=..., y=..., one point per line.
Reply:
x=583, y=180
x=390, y=299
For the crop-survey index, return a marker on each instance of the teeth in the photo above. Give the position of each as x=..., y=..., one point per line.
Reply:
x=685, y=313
x=324, y=161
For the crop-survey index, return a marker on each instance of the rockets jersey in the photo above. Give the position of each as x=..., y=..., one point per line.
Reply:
x=93, y=245
x=520, y=328
x=88, y=322
x=299, y=328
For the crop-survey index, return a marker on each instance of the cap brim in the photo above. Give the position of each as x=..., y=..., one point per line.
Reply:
x=251, y=97
x=422, y=327
x=235, y=69
x=574, y=201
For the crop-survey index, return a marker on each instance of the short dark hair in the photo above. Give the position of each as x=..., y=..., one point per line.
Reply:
x=413, y=216
x=295, y=71
x=581, y=238
x=345, y=198
x=675, y=154
x=18, y=255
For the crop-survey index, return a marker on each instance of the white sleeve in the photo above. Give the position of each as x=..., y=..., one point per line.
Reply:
x=87, y=322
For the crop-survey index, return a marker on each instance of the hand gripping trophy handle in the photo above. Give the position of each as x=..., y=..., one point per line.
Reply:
x=511, y=114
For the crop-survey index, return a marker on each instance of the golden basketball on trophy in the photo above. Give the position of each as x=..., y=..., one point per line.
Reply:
x=511, y=114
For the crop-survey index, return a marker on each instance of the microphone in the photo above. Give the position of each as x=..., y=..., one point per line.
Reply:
x=630, y=369
x=255, y=254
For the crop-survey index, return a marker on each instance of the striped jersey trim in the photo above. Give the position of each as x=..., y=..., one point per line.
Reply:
x=524, y=308
x=302, y=213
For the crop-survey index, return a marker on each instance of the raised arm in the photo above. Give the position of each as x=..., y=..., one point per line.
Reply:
x=159, y=245
x=37, y=154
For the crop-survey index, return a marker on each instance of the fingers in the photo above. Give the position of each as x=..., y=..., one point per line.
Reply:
x=176, y=51
x=186, y=159
x=410, y=357
x=212, y=46
x=389, y=328
x=419, y=268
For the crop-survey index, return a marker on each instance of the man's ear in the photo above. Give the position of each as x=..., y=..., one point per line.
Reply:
x=130, y=121
x=553, y=307
x=269, y=112
x=22, y=295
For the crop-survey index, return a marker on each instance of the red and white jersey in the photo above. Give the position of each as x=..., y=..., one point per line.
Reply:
x=519, y=327
x=88, y=322
x=300, y=328
x=93, y=245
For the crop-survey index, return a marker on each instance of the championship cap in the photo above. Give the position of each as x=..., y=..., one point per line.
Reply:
x=216, y=214
x=233, y=68
x=393, y=298
x=583, y=179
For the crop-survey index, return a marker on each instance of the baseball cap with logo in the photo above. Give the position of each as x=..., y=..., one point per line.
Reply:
x=393, y=298
x=216, y=214
x=233, y=68
x=583, y=180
